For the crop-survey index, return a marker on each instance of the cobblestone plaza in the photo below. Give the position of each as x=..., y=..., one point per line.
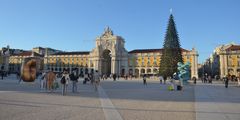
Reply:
x=121, y=100
x=119, y=60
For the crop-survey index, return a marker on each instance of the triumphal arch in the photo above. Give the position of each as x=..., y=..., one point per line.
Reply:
x=109, y=55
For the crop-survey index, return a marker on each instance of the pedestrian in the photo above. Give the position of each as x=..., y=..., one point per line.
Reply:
x=205, y=78
x=85, y=78
x=102, y=76
x=164, y=79
x=160, y=79
x=238, y=81
x=17, y=75
x=171, y=85
x=74, y=80
x=227, y=80
x=194, y=80
x=20, y=78
x=64, y=81
x=110, y=76
x=209, y=79
x=114, y=77
x=2, y=74
x=42, y=80
x=144, y=79
x=96, y=80
x=90, y=78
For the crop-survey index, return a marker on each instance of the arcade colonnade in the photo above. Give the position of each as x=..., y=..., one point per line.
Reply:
x=110, y=57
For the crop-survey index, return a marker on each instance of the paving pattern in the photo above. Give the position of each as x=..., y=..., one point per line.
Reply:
x=119, y=100
x=215, y=102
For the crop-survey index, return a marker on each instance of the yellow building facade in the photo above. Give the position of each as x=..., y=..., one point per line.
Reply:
x=226, y=58
x=16, y=60
x=110, y=57
x=147, y=61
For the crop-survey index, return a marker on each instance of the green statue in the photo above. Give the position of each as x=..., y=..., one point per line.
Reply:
x=184, y=72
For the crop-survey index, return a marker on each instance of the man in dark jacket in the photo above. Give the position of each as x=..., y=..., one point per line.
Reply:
x=114, y=77
x=74, y=79
x=226, y=81
x=2, y=74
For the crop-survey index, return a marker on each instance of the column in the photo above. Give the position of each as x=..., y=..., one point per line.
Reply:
x=113, y=65
x=139, y=72
x=193, y=66
x=96, y=63
x=133, y=70
x=126, y=65
x=221, y=65
x=119, y=66
x=196, y=66
x=225, y=65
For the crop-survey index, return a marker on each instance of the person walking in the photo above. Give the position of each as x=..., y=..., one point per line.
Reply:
x=160, y=79
x=96, y=80
x=114, y=77
x=194, y=80
x=20, y=78
x=42, y=80
x=205, y=78
x=144, y=79
x=91, y=77
x=171, y=86
x=164, y=79
x=238, y=79
x=2, y=74
x=17, y=75
x=85, y=78
x=64, y=81
x=209, y=79
x=74, y=79
x=226, y=81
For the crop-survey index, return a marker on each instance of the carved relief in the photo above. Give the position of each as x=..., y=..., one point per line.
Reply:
x=107, y=32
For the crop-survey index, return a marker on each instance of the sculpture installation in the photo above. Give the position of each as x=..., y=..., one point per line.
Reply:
x=29, y=70
x=50, y=77
x=183, y=72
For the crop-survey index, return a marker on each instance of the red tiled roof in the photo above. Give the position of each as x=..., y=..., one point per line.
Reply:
x=151, y=50
x=73, y=53
x=233, y=48
x=28, y=53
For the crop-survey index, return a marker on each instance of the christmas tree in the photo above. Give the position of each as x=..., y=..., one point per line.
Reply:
x=171, y=53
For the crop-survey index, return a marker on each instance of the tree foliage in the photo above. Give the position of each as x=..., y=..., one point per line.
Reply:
x=172, y=52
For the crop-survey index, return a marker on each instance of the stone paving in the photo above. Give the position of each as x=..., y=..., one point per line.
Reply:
x=215, y=102
x=134, y=101
x=121, y=99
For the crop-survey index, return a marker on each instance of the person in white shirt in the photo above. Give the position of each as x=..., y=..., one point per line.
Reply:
x=96, y=79
x=42, y=80
x=64, y=81
x=238, y=79
x=161, y=79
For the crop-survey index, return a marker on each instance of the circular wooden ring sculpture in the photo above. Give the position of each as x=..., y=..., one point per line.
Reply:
x=29, y=70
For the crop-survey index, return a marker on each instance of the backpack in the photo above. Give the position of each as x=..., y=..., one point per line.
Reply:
x=71, y=77
x=63, y=80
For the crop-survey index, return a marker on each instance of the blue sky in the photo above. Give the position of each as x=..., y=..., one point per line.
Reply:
x=73, y=25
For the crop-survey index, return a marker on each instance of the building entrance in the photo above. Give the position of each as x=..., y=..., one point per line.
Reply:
x=106, y=62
